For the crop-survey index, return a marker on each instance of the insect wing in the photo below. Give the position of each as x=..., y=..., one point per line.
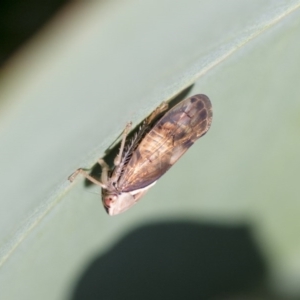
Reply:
x=166, y=142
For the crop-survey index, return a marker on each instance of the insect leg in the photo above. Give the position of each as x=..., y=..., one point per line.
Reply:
x=87, y=176
x=118, y=158
x=160, y=109
x=104, y=173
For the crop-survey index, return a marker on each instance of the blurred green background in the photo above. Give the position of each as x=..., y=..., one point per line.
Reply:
x=223, y=223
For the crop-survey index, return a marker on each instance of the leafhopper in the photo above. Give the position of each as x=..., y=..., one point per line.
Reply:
x=160, y=141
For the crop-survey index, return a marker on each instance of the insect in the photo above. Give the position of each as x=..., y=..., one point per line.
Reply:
x=160, y=141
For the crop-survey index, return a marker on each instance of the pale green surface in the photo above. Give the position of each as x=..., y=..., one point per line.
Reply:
x=70, y=93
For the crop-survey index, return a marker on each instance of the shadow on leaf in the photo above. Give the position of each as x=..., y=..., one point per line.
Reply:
x=175, y=260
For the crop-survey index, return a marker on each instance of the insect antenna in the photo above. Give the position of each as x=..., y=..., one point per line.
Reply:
x=94, y=193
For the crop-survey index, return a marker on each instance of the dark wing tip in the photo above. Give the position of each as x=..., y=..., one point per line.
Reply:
x=204, y=104
x=203, y=98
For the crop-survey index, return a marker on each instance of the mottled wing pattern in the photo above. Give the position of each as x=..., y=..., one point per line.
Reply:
x=167, y=141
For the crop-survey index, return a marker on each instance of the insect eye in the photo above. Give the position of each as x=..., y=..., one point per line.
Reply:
x=111, y=199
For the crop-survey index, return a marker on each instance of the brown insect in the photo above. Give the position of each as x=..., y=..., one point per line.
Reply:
x=161, y=140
